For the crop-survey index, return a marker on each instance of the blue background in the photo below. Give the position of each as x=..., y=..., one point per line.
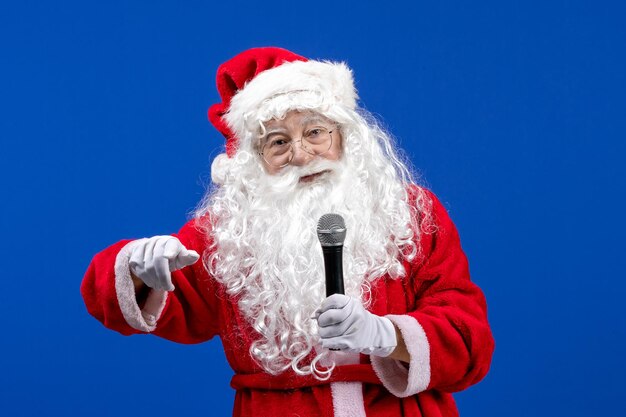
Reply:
x=512, y=112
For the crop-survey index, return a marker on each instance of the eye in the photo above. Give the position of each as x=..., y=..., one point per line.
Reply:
x=277, y=142
x=316, y=131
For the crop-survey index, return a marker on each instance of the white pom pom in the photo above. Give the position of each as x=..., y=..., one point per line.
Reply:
x=220, y=168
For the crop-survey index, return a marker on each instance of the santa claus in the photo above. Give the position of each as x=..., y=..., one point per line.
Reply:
x=411, y=328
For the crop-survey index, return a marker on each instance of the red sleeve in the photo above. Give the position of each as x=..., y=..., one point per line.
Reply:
x=451, y=309
x=189, y=314
x=447, y=333
x=98, y=290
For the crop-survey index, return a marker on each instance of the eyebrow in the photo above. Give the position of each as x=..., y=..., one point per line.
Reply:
x=274, y=131
x=315, y=118
x=306, y=120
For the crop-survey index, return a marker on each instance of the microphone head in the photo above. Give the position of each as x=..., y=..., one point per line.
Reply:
x=331, y=230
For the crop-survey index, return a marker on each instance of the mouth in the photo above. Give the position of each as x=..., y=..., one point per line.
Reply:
x=313, y=177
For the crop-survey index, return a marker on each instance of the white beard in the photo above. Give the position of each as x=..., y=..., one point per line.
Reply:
x=269, y=254
x=266, y=252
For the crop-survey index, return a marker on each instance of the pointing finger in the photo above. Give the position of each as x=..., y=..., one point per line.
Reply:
x=191, y=256
x=185, y=258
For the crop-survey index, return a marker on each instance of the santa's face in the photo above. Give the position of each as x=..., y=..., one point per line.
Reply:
x=298, y=139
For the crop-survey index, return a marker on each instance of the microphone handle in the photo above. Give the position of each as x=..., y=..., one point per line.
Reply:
x=333, y=264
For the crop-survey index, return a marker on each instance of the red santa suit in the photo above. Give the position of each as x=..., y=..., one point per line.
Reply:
x=441, y=314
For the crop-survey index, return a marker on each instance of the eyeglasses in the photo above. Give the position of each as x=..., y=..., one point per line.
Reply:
x=278, y=150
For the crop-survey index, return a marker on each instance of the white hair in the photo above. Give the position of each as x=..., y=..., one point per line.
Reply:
x=264, y=246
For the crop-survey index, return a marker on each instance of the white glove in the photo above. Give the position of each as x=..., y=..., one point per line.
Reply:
x=153, y=259
x=344, y=324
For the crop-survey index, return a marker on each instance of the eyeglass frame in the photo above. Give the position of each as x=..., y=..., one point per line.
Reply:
x=293, y=152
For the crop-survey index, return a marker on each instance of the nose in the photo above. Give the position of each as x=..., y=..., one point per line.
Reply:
x=300, y=156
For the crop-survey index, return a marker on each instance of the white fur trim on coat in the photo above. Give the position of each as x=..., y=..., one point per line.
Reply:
x=298, y=84
x=347, y=396
x=399, y=380
x=141, y=319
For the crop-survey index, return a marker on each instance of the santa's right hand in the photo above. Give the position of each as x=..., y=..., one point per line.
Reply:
x=153, y=259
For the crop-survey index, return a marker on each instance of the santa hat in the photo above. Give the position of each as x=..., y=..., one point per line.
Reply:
x=259, y=78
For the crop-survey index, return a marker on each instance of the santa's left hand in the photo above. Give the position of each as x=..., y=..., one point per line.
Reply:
x=345, y=325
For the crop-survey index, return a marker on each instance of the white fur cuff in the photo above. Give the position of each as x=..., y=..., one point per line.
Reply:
x=141, y=319
x=399, y=380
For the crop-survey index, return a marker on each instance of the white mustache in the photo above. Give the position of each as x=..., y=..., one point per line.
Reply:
x=313, y=168
x=288, y=179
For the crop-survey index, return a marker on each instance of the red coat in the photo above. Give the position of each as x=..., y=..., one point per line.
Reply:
x=442, y=316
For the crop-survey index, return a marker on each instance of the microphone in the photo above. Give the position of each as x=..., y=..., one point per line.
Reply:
x=331, y=231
